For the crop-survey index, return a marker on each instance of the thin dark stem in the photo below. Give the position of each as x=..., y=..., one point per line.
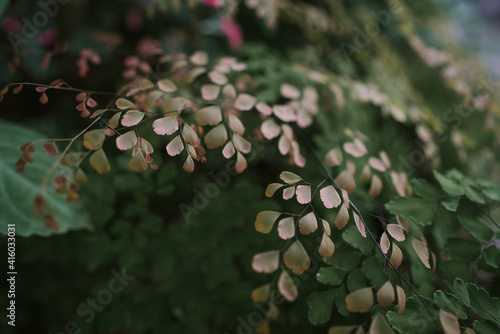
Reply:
x=355, y=209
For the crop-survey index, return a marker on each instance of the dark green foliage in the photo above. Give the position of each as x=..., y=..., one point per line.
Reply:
x=415, y=122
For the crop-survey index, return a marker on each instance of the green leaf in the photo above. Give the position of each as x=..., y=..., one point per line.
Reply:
x=426, y=190
x=492, y=193
x=344, y=258
x=476, y=227
x=449, y=303
x=331, y=275
x=451, y=187
x=416, y=210
x=356, y=280
x=451, y=204
x=492, y=256
x=460, y=290
x=473, y=195
x=340, y=294
x=457, y=269
x=352, y=236
x=320, y=306
x=462, y=249
x=372, y=268
x=415, y=319
x=18, y=190
x=482, y=304
x=485, y=327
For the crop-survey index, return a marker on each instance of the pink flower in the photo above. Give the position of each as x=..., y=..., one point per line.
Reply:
x=232, y=30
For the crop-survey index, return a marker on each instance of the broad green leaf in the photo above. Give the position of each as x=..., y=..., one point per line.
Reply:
x=492, y=193
x=344, y=258
x=457, y=269
x=476, y=227
x=352, y=236
x=482, y=304
x=320, y=306
x=449, y=303
x=340, y=294
x=473, y=194
x=485, y=327
x=462, y=249
x=415, y=319
x=372, y=268
x=426, y=190
x=451, y=204
x=356, y=280
x=460, y=290
x=18, y=190
x=331, y=276
x=492, y=256
x=450, y=186
x=416, y=210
